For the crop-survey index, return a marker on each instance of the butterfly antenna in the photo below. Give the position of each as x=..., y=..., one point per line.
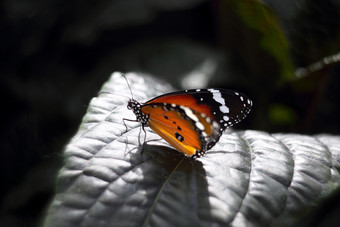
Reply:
x=128, y=84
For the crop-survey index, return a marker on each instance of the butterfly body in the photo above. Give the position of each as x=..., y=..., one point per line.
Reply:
x=192, y=120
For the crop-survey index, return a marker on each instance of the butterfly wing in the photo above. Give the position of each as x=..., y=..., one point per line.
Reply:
x=224, y=106
x=187, y=130
x=202, y=115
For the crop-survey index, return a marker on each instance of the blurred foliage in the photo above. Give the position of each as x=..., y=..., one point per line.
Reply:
x=265, y=50
x=282, y=115
x=57, y=54
x=259, y=17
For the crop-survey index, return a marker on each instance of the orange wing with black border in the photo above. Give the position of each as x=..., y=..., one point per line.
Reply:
x=185, y=129
x=193, y=120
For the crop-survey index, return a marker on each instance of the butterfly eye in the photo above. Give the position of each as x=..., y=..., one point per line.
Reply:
x=130, y=104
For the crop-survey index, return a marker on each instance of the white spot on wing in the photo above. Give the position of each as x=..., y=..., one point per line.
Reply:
x=224, y=109
x=190, y=114
x=200, y=125
x=215, y=125
x=217, y=96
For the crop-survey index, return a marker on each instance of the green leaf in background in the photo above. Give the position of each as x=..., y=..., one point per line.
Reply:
x=281, y=114
x=257, y=16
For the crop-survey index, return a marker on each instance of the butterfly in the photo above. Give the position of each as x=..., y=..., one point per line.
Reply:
x=192, y=121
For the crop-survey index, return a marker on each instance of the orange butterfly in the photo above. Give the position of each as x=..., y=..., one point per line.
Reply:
x=192, y=121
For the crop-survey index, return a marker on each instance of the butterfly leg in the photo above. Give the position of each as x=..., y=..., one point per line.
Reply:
x=125, y=119
x=144, y=133
x=144, y=138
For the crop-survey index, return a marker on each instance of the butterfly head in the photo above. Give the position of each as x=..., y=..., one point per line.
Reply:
x=133, y=105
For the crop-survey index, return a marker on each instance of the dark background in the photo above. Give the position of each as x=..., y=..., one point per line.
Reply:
x=57, y=54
